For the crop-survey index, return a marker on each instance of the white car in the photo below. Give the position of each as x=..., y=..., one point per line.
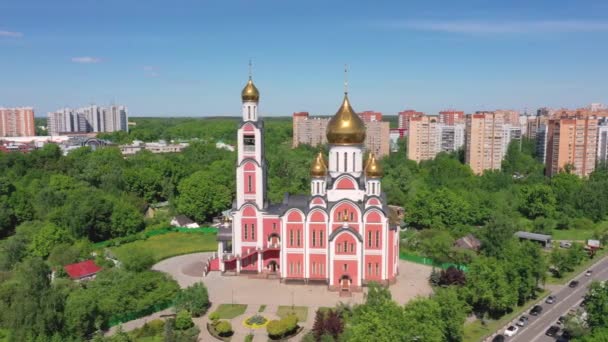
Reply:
x=512, y=330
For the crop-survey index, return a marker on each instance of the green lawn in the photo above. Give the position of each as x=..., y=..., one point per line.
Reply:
x=157, y=338
x=3, y=335
x=475, y=331
x=578, y=269
x=230, y=311
x=171, y=244
x=300, y=311
x=571, y=234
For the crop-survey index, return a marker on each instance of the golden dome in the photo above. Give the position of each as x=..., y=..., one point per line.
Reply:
x=318, y=167
x=372, y=167
x=250, y=92
x=346, y=127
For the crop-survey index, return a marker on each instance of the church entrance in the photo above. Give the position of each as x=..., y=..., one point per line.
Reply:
x=345, y=282
x=273, y=266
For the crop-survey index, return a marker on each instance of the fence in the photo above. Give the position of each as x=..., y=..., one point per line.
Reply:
x=428, y=261
x=119, y=319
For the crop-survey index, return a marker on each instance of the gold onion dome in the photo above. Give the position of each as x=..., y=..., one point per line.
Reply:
x=346, y=127
x=250, y=92
x=318, y=167
x=372, y=167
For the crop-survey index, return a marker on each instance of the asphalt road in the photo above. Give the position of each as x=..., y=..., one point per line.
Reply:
x=566, y=299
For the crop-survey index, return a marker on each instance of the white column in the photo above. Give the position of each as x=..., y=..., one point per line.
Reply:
x=238, y=265
x=259, y=262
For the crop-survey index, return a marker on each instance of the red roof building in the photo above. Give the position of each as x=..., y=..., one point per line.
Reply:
x=82, y=270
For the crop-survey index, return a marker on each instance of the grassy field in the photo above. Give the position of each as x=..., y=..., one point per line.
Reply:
x=230, y=311
x=572, y=234
x=3, y=335
x=475, y=331
x=578, y=269
x=171, y=244
x=300, y=311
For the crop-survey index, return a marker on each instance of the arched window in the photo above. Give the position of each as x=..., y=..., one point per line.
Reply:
x=248, y=112
x=354, y=163
x=377, y=238
x=345, y=247
x=314, y=240
x=345, y=161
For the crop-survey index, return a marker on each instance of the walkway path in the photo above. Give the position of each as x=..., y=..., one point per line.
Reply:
x=187, y=270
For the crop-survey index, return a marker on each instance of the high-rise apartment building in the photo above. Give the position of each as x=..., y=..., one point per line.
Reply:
x=17, y=122
x=311, y=131
x=510, y=133
x=602, y=143
x=451, y=117
x=424, y=141
x=405, y=117
x=88, y=119
x=377, y=137
x=484, y=141
x=510, y=117
x=308, y=130
x=541, y=143
x=370, y=115
x=571, y=143
x=452, y=137
x=534, y=123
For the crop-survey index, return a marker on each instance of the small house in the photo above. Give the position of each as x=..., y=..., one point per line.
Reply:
x=183, y=221
x=468, y=242
x=84, y=270
x=543, y=239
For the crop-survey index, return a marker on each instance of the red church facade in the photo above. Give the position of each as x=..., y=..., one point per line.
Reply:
x=338, y=235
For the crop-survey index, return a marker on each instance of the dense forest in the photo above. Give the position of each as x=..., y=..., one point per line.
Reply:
x=54, y=208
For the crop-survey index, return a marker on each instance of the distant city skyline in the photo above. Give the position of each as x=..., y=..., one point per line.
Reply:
x=191, y=59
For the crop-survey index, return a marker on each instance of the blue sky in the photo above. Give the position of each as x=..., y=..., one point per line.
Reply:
x=190, y=57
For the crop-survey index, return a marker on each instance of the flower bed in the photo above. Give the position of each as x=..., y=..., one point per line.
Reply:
x=255, y=322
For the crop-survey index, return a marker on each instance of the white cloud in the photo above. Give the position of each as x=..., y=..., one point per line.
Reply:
x=11, y=34
x=499, y=27
x=86, y=60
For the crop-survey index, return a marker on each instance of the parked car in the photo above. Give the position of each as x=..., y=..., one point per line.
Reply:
x=550, y=300
x=565, y=244
x=564, y=337
x=522, y=321
x=498, y=338
x=588, y=273
x=536, y=310
x=552, y=331
x=573, y=284
x=512, y=330
x=561, y=320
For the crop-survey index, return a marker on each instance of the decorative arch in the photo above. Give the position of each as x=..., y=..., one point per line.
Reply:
x=249, y=166
x=249, y=160
x=374, y=201
x=248, y=127
x=338, y=210
x=317, y=215
x=249, y=210
x=346, y=182
x=373, y=215
x=294, y=215
x=317, y=201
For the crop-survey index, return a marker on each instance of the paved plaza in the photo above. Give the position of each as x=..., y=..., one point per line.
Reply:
x=188, y=269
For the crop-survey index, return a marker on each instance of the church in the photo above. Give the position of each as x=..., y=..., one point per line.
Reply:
x=337, y=235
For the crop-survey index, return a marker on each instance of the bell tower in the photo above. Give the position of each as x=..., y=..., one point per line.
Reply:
x=251, y=165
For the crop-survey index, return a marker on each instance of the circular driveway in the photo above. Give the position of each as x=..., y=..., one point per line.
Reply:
x=187, y=270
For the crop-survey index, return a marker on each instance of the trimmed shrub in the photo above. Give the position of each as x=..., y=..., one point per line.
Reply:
x=223, y=328
x=195, y=299
x=275, y=328
x=183, y=320
x=214, y=316
x=281, y=328
x=249, y=338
